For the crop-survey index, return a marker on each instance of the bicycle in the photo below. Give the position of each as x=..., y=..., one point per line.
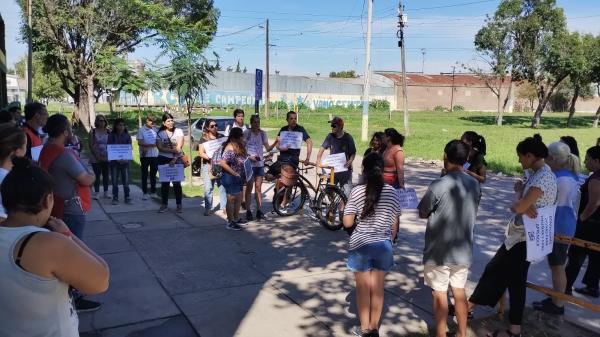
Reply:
x=327, y=204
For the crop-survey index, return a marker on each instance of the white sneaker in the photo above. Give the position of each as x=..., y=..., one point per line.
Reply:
x=145, y=196
x=106, y=196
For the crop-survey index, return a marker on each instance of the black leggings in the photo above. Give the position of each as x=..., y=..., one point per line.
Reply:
x=164, y=187
x=148, y=164
x=507, y=269
x=589, y=231
x=101, y=168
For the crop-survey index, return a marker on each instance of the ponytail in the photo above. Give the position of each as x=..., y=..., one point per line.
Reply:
x=573, y=164
x=373, y=173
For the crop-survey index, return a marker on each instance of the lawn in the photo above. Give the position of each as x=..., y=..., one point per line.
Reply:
x=430, y=131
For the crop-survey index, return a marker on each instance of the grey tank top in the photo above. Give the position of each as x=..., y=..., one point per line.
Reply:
x=31, y=305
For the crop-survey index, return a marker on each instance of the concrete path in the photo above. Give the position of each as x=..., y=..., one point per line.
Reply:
x=186, y=275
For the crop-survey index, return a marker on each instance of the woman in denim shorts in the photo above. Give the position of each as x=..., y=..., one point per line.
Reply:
x=256, y=140
x=372, y=211
x=234, y=176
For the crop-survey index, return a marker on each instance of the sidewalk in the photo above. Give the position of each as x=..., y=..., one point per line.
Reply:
x=186, y=275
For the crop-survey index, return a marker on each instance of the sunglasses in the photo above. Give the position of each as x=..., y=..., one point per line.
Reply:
x=334, y=125
x=212, y=126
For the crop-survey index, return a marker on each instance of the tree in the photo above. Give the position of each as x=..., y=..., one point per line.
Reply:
x=245, y=70
x=237, y=67
x=595, y=70
x=46, y=85
x=189, y=75
x=343, y=74
x=218, y=65
x=136, y=85
x=580, y=75
x=74, y=34
x=527, y=92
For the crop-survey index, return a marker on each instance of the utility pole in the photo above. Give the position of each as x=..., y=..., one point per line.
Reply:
x=267, y=89
x=365, y=117
x=423, y=52
x=29, y=53
x=452, y=93
x=402, y=45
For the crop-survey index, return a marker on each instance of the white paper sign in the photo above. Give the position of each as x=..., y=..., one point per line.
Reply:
x=35, y=152
x=408, y=198
x=248, y=169
x=337, y=161
x=149, y=136
x=211, y=146
x=290, y=139
x=119, y=151
x=539, y=233
x=168, y=173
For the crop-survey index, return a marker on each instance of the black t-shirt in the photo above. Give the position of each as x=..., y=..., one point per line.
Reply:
x=292, y=155
x=344, y=144
x=477, y=163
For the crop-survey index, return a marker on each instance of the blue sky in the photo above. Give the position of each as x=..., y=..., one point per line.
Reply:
x=313, y=36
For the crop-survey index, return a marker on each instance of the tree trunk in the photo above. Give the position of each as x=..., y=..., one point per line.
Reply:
x=500, y=108
x=111, y=104
x=597, y=118
x=189, y=125
x=85, y=109
x=572, y=107
x=509, y=101
x=537, y=117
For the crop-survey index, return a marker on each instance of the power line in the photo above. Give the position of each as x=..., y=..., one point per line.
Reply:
x=237, y=32
x=449, y=6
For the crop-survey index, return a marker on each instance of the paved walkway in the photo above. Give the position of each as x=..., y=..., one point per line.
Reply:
x=186, y=275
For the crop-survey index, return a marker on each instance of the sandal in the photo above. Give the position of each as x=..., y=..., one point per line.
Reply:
x=510, y=334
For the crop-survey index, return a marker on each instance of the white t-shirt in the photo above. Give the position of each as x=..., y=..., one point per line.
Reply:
x=255, y=145
x=148, y=136
x=169, y=139
x=3, y=173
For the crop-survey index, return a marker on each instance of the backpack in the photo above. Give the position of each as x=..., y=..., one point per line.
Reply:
x=215, y=169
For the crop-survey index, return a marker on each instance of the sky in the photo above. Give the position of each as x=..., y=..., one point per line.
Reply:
x=317, y=36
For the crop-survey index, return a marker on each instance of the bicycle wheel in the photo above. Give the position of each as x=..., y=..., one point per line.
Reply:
x=290, y=200
x=330, y=207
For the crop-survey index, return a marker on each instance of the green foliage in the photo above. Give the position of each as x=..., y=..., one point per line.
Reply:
x=46, y=85
x=343, y=74
x=439, y=108
x=237, y=67
x=281, y=105
x=458, y=108
x=189, y=75
x=380, y=104
x=527, y=92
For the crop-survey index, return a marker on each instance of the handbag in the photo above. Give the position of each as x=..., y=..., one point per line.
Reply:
x=184, y=159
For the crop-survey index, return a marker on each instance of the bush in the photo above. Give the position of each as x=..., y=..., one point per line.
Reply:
x=439, y=108
x=281, y=105
x=380, y=104
x=458, y=108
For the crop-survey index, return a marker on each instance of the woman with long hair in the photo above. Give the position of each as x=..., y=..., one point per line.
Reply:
x=119, y=169
x=13, y=143
x=373, y=209
x=234, y=176
x=98, y=140
x=256, y=142
x=508, y=268
x=393, y=158
x=376, y=144
x=169, y=141
x=476, y=166
x=40, y=259
x=210, y=132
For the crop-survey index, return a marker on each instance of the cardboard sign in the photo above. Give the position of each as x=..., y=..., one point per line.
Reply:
x=290, y=139
x=168, y=173
x=35, y=152
x=408, y=198
x=248, y=169
x=539, y=233
x=211, y=146
x=119, y=151
x=337, y=161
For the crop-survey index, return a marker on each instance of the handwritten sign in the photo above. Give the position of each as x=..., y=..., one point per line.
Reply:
x=539, y=233
x=149, y=136
x=290, y=139
x=212, y=145
x=248, y=169
x=337, y=161
x=120, y=152
x=168, y=173
x=35, y=152
x=408, y=198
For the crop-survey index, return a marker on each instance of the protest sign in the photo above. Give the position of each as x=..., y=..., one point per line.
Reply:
x=35, y=152
x=211, y=146
x=337, y=161
x=168, y=173
x=248, y=169
x=539, y=233
x=290, y=139
x=149, y=136
x=408, y=198
x=119, y=152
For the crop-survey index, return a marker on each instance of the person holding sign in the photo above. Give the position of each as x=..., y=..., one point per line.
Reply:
x=234, y=176
x=256, y=140
x=210, y=133
x=169, y=142
x=565, y=166
x=340, y=141
x=588, y=228
x=119, y=168
x=508, y=268
x=450, y=205
x=36, y=116
x=393, y=157
x=288, y=154
x=13, y=143
x=146, y=137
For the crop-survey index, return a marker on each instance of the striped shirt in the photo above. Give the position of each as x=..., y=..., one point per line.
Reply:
x=378, y=226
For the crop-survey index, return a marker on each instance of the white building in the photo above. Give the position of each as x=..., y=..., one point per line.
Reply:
x=16, y=88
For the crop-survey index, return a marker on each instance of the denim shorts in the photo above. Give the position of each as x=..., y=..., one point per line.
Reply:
x=373, y=256
x=232, y=184
x=258, y=171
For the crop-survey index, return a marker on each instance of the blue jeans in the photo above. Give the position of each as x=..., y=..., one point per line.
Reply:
x=118, y=170
x=209, y=186
x=76, y=223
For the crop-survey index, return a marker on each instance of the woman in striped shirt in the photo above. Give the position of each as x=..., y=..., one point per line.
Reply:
x=373, y=210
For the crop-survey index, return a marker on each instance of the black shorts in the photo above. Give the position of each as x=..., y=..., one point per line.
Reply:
x=558, y=257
